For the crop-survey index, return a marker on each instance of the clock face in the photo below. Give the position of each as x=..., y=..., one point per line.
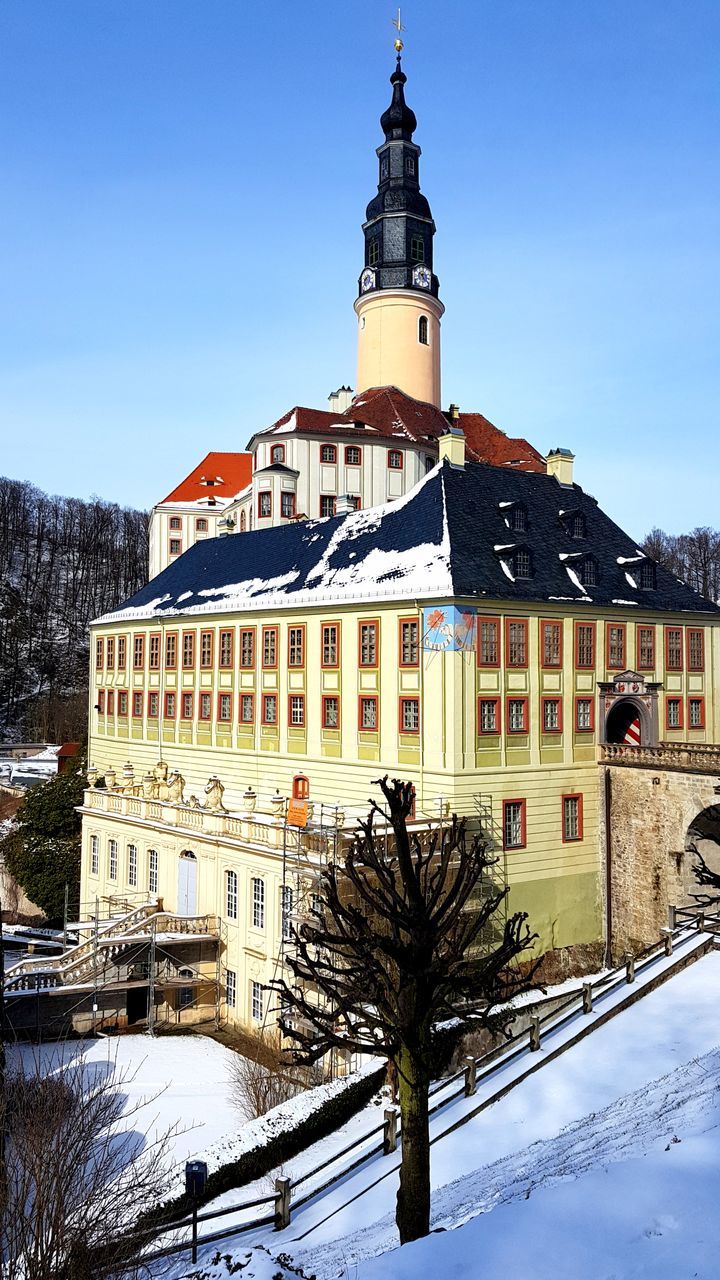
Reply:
x=422, y=277
x=367, y=280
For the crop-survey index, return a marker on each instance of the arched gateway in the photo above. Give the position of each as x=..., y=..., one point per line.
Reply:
x=629, y=710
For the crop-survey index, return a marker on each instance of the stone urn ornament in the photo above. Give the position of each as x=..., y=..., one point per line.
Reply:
x=110, y=777
x=92, y=775
x=277, y=804
x=249, y=800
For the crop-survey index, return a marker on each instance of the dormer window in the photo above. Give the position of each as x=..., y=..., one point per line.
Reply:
x=277, y=454
x=517, y=518
x=328, y=453
x=417, y=249
x=588, y=571
x=647, y=575
x=577, y=525
x=522, y=563
x=374, y=252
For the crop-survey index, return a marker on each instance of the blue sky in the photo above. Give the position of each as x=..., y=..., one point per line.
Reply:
x=184, y=182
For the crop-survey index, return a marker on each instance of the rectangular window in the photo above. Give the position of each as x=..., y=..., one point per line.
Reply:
x=585, y=645
x=584, y=715
x=516, y=642
x=170, y=705
x=112, y=860
x=121, y=650
x=258, y=903
x=327, y=505
x=101, y=702
x=296, y=646
x=205, y=706
x=225, y=707
x=175, y=522
x=206, y=649
x=287, y=505
x=552, y=649
x=122, y=702
x=331, y=712
x=175, y=546
x=99, y=654
x=256, y=1001
x=171, y=650
x=247, y=647
x=572, y=818
x=186, y=706
x=247, y=708
x=137, y=705
x=269, y=646
x=514, y=824
x=226, y=649
x=673, y=649
x=409, y=642
x=269, y=708
x=353, y=456
x=94, y=856
x=615, y=646
x=488, y=715
x=265, y=504
x=155, y=652
x=231, y=895
x=230, y=988
x=551, y=715
x=152, y=871
x=188, y=650
x=296, y=709
x=330, y=632
x=286, y=907
x=488, y=642
x=517, y=715
x=695, y=649
x=328, y=453
x=368, y=644
x=138, y=652
x=132, y=866
x=409, y=715
x=153, y=705
x=645, y=648
x=368, y=717
x=395, y=459
x=110, y=652
x=696, y=713
x=110, y=703
x=673, y=713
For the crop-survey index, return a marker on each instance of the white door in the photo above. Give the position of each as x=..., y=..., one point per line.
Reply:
x=187, y=885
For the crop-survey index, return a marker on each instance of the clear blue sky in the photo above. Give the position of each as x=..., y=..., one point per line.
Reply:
x=184, y=182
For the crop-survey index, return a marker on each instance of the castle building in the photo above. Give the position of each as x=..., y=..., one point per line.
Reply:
x=478, y=626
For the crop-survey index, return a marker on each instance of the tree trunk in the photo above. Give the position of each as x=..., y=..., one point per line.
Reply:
x=413, y=1199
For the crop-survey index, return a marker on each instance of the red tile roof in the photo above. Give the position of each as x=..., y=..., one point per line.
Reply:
x=486, y=443
x=230, y=471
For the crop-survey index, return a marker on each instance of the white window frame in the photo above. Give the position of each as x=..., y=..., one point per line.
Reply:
x=231, y=895
x=152, y=871
x=112, y=860
x=258, y=902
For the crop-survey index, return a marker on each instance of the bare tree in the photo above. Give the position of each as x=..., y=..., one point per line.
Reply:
x=398, y=945
x=75, y=1174
x=259, y=1077
x=693, y=557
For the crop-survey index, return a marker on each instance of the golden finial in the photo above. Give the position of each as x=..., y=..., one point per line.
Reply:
x=397, y=23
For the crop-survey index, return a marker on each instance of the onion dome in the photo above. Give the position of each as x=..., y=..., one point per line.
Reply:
x=399, y=121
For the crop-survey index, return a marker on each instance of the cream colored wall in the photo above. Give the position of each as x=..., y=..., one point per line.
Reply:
x=389, y=353
x=161, y=533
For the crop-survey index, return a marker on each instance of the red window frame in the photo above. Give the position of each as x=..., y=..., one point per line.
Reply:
x=327, y=697
x=277, y=448
x=175, y=546
x=330, y=666
x=224, y=693
x=328, y=462
x=699, y=698
x=411, y=618
x=101, y=702
x=205, y=700
x=495, y=622
x=155, y=643
x=111, y=702
x=171, y=636
x=645, y=666
x=138, y=657
x=492, y=733
x=368, y=697
x=269, y=666
x=283, y=502
x=121, y=652
x=244, y=694
x=551, y=697
x=188, y=635
x=137, y=705
x=153, y=693
x=358, y=450
x=122, y=697
x=296, y=724
x=551, y=622
x=395, y=453
x=273, y=723
x=227, y=632
x=673, y=728
x=695, y=631
x=170, y=693
x=99, y=653
x=110, y=653
x=207, y=666
x=512, y=697
x=585, y=666
x=264, y=493
x=401, y=703
x=676, y=631
x=301, y=787
x=581, y=697
x=297, y=626
x=523, y=823
x=175, y=523
x=622, y=628
x=185, y=693
x=523, y=622
x=201, y=525
x=328, y=497
x=369, y=622
x=252, y=633
x=572, y=795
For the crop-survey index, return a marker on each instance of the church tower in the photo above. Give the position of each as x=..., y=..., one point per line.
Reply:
x=398, y=308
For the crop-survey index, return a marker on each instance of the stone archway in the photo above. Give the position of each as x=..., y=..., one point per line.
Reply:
x=629, y=710
x=703, y=837
x=626, y=723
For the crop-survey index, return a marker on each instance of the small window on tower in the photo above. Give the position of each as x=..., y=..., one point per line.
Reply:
x=374, y=252
x=423, y=330
x=410, y=164
x=384, y=168
x=417, y=249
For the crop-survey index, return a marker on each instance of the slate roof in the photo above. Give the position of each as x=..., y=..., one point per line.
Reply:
x=447, y=538
x=230, y=471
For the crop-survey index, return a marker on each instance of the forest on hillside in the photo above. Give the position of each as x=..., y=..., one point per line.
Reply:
x=693, y=557
x=63, y=561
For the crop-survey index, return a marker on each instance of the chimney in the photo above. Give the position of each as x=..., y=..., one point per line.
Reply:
x=344, y=504
x=560, y=465
x=451, y=445
x=225, y=525
x=340, y=400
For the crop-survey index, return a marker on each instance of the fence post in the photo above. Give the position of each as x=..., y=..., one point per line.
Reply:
x=534, y=1032
x=629, y=967
x=668, y=941
x=587, y=997
x=672, y=917
x=470, y=1077
x=282, y=1203
x=701, y=921
x=390, y=1131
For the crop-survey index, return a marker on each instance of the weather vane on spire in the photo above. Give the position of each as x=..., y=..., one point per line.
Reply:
x=397, y=23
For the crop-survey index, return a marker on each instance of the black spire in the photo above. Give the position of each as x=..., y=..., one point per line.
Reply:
x=399, y=226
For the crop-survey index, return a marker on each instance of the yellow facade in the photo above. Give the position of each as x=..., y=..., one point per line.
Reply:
x=399, y=342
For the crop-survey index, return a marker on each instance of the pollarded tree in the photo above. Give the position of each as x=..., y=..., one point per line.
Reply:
x=396, y=947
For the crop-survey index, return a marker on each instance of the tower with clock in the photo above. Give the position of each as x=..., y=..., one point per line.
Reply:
x=398, y=307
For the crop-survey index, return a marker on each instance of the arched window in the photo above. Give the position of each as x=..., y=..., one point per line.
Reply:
x=417, y=249
x=277, y=453
x=423, y=335
x=300, y=787
x=410, y=164
x=201, y=525
x=328, y=453
x=243, y=522
x=185, y=995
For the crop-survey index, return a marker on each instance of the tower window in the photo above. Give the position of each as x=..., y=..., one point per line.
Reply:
x=410, y=164
x=277, y=453
x=374, y=252
x=384, y=168
x=423, y=335
x=417, y=249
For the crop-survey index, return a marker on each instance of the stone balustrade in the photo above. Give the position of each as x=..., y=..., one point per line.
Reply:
x=691, y=757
